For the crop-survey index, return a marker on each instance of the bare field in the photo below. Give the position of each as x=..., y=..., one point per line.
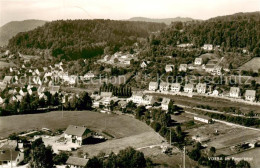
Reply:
x=118, y=126
x=5, y=64
x=227, y=135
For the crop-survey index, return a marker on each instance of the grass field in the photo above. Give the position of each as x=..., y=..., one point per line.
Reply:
x=253, y=64
x=117, y=126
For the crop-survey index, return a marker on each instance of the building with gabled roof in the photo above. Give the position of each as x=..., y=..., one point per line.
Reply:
x=234, y=92
x=165, y=103
x=76, y=134
x=164, y=86
x=169, y=68
x=198, y=61
x=188, y=88
x=153, y=86
x=201, y=88
x=250, y=95
x=183, y=67
x=76, y=162
x=175, y=87
x=7, y=79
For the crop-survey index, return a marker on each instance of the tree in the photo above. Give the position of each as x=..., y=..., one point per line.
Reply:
x=42, y=157
x=243, y=164
x=94, y=162
x=212, y=151
x=61, y=158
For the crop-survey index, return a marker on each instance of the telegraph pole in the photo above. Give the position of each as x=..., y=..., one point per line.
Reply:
x=184, y=157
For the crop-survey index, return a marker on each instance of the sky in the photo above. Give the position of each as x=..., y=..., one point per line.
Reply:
x=16, y=10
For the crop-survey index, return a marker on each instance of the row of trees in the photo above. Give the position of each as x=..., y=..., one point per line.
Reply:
x=121, y=91
x=32, y=104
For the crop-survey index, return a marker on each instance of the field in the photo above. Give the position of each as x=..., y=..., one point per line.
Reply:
x=115, y=125
x=253, y=64
x=227, y=135
x=211, y=101
x=253, y=154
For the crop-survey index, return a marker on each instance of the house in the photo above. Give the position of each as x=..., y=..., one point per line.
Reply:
x=40, y=90
x=165, y=103
x=54, y=89
x=202, y=118
x=140, y=98
x=215, y=93
x=89, y=75
x=183, y=67
x=209, y=68
x=106, y=94
x=164, y=86
x=217, y=70
x=250, y=95
x=201, y=88
x=188, y=88
x=175, y=87
x=153, y=86
x=198, y=61
x=169, y=68
x=76, y=134
x=1, y=100
x=144, y=64
x=207, y=47
x=10, y=156
x=76, y=162
x=234, y=92
x=7, y=79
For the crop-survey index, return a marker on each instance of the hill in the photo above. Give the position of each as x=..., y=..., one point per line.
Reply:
x=10, y=29
x=253, y=64
x=233, y=32
x=74, y=39
x=167, y=21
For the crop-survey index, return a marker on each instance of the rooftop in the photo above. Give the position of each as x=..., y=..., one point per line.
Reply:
x=76, y=130
x=77, y=161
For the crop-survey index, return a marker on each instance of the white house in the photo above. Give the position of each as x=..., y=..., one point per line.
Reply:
x=175, y=87
x=165, y=103
x=250, y=95
x=234, y=92
x=76, y=162
x=198, y=61
x=169, y=68
x=203, y=119
x=144, y=64
x=153, y=86
x=208, y=47
x=183, y=67
x=164, y=86
x=215, y=93
x=209, y=68
x=76, y=134
x=188, y=88
x=201, y=88
x=140, y=98
x=89, y=75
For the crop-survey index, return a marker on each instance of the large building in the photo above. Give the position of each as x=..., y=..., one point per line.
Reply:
x=141, y=99
x=75, y=162
x=76, y=134
x=203, y=119
x=208, y=47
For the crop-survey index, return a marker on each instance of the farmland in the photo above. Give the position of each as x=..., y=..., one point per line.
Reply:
x=4, y=64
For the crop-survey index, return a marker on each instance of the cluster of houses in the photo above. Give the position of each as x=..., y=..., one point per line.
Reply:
x=119, y=58
x=201, y=88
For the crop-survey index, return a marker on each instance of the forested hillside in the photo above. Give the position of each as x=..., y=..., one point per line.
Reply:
x=73, y=39
x=10, y=29
x=240, y=30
